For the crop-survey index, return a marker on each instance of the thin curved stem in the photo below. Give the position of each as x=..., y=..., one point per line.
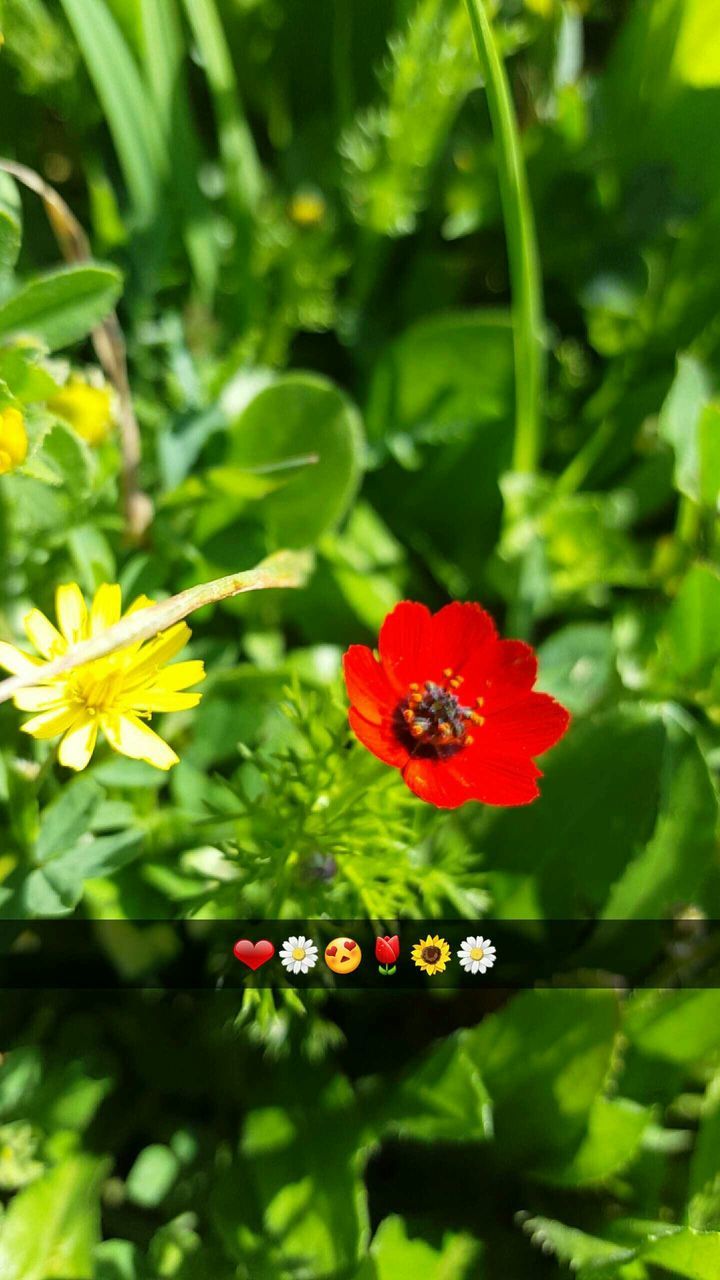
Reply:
x=521, y=248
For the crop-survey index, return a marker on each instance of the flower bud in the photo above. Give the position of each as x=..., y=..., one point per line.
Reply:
x=87, y=409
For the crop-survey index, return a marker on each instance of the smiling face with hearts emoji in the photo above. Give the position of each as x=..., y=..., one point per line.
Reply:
x=253, y=954
x=343, y=955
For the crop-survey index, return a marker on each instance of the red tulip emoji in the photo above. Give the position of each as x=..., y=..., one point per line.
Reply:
x=387, y=951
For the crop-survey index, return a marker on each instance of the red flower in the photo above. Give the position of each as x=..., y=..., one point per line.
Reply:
x=452, y=706
x=387, y=949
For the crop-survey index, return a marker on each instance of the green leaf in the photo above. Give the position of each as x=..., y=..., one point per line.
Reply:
x=576, y=1248
x=297, y=416
x=678, y=1026
x=57, y=886
x=695, y=1255
x=62, y=306
x=577, y=665
x=68, y=817
x=441, y=1098
x=51, y=1228
x=152, y=1176
x=689, y=642
x=542, y=1100
x=614, y=1134
x=397, y=1255
x=128, y=107
x=704, y=1187
x=10, y=222
x=623, y=769
x=674, y=862
x=691, y=424
x=445, y=378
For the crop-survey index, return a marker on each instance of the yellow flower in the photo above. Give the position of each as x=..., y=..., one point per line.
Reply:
x=13, y=440
x=307, y=207
x=431, y=954
x=87, y=409
x=116, y=694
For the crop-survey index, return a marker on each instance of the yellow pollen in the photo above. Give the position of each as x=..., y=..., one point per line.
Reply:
x=408, y=715
x=469, y=740
x=457, y=681
x=299, y=953
x=479, y=702
x=414, y=686
x=448, y=673
x=416, y=730
x=477, y=953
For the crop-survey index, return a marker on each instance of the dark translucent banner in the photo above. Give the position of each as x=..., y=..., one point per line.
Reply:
x=359, y=954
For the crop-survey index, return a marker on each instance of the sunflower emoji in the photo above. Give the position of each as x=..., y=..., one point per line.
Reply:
x=431, y=954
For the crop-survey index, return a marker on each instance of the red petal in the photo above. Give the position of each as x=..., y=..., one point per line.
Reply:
x=436, y=782
x=367, y=685
x=378, y=738
x=405, y=645
x=498, y=779
x=460, y=634
x=506, y=675
x=528, y=727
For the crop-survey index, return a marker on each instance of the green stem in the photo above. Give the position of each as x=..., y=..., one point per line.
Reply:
x=521, y=247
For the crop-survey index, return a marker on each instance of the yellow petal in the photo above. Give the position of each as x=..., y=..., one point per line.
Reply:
x=71, y=612
x=78, y=744
x=158, y=651
x=162, y=700
x=50, y=723
x=131, y=737
x=17, y=662
x=106, y=608
x=181, y=675
x=141, y=602
x=41, y=632
x=42, y=697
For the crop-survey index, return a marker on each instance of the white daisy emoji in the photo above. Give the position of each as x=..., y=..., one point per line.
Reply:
x=476, y=955
x=298, y=955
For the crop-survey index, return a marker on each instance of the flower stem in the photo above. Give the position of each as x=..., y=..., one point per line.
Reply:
x=521, y=247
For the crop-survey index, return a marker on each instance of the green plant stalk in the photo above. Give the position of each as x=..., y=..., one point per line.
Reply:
x=521, y=248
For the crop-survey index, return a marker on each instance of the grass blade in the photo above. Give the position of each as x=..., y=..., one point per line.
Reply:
x=521, y=247
x=126, y=103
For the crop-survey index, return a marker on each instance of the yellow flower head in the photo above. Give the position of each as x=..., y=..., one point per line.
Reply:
x=431, y=954
x=13, y=440
x=87, y=409
x=116, y=694
x=307, y=207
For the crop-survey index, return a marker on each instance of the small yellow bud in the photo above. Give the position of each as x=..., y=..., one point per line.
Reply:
x=13, y=440
x=307, y=208
x=87, y=409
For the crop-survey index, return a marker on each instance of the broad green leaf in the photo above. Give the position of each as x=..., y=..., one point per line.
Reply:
x=129, y=109
x=20, y=1074
x=118, y=1260
x=62, y=306
x=614, y=1134
x=51, y=1228
x=542, y=1100
x=27, y=380
x=691, y=424
x=301, y=416
x=696, y=57
x=56, y=887
x=300, y=1177
x=704, y=1189
x=152, y=1175
x=10, y=222
x=607, y=793
x=689, y=641
x=444, y=379
x=68, y=817
x=441, y=1098
x=674, y=862
x=678, y=1026
x=577, y=666
x=395, y=1254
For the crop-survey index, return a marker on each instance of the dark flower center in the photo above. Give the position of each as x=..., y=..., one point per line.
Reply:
x=434, y=716
x=431, y=955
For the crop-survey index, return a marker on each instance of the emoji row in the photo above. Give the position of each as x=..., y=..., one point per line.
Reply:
x=432, y=954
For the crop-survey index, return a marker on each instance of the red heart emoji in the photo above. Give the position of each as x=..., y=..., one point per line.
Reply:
x=253, y=954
